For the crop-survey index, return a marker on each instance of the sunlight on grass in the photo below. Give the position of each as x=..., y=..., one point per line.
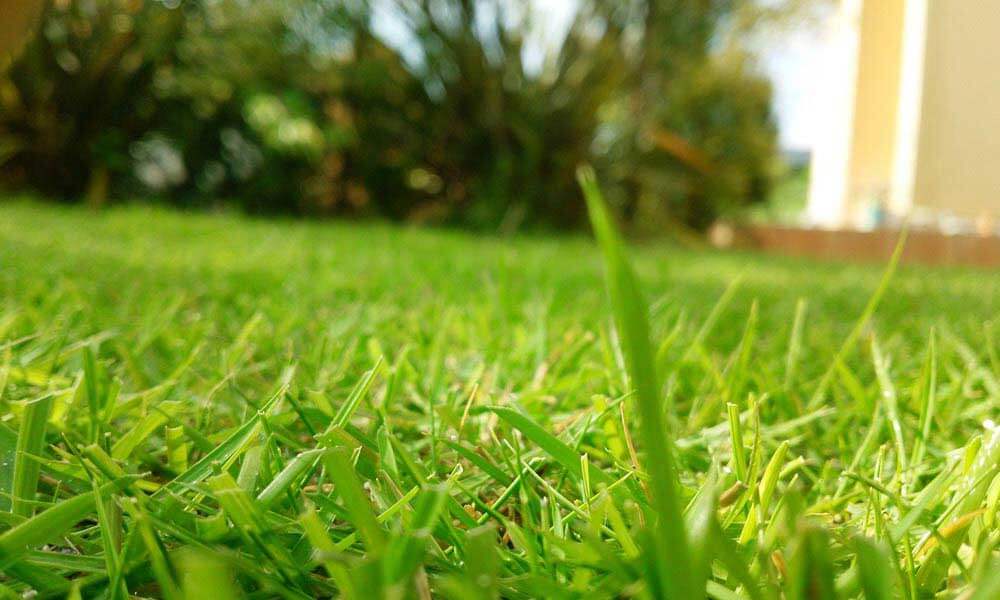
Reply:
x=295, y=410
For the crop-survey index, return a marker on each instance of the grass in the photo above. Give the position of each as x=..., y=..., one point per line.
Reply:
x=787, y=200
x=208, y=406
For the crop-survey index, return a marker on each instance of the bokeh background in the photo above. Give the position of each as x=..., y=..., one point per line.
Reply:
x=457, y=112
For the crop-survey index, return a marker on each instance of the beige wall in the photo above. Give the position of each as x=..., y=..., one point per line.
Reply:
x=958, y=145
x=918, y=127
x=876, y=100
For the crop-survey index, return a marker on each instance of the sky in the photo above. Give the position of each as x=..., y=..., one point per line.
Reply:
x=796, y=62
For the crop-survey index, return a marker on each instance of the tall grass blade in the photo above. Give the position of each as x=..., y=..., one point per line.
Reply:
x=30, y=443
x=860, y=324
x=672, y=560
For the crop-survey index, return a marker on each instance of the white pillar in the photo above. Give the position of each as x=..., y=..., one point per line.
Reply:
x=831, y=152
x=854, y=163
x=911, y=91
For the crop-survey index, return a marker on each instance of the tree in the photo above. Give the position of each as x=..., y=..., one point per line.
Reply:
x=307, y=107
x=20, y=19
x=81, y=92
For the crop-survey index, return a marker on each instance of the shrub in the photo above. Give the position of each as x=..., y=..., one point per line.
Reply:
x=303, y=107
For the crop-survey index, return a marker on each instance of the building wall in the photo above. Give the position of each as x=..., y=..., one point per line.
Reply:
x=853, y=161
x=917, y=125
x=958, y=145
x=876, y=101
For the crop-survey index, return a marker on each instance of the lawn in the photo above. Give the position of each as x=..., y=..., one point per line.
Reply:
x=212, y=406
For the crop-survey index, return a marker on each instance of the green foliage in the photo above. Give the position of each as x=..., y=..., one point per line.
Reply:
x=724, y=110
x=81, y=93
x=319, y=410
x=304, y=107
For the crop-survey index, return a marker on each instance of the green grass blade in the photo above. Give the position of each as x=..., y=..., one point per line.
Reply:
x=631, y=318
x=874, y=571
x=283, y=481
x=8, y=457
x=483, y=463
x=109, y=521
x=859, y=325
x=989, y=587
x=341, y=470
x=553, y=446
x=30, y=443
x=406, y=554
x=325, y=552
x=223, y=454
x=795, y=344
x=237, y=504
x=46, y=526
x=355, y=397
x=810, y=566
x=162, y=568
x=204, y=576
